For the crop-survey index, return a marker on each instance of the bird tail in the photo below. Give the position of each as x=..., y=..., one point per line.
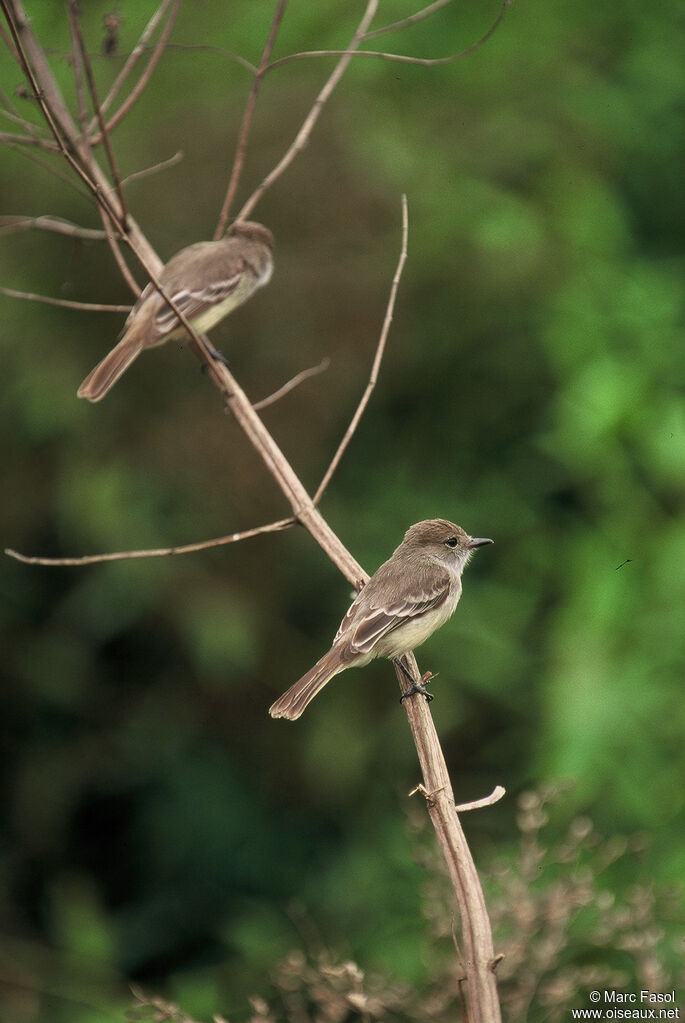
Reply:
x=293, y=702
x=106, y=373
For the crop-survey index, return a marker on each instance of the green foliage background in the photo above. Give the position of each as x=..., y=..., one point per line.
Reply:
x=157, y=823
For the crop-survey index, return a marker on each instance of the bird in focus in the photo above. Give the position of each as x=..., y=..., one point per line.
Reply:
x=411, y=595
x=206, y=281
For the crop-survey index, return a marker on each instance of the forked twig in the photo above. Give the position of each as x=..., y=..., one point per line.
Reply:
x=241, y=144
x=133, y=57
x=158, y=552
x=136, y=92
x=378, y=357
x=400, y=57
x=312, y=117
x=92, y=88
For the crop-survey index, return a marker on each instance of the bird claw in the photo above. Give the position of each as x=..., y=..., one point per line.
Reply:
x=417, y=687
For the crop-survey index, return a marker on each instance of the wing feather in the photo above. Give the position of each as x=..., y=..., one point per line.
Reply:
x=363, y=631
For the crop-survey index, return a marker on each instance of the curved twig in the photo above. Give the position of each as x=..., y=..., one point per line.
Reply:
x=378, y=357
x=157, y=552
x=299, y=378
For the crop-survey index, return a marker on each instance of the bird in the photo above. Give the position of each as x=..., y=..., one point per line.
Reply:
x=411, y=595
x=206, y=281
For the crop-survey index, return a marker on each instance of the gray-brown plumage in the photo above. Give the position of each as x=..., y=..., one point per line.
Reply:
x=206, y=281
x=410, y=596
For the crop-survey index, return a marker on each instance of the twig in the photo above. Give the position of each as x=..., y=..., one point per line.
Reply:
x=373, y=377
x=411, y=20
x=312, y=117
x=28, y=140
x=92, y=88
x=10, y=224
x=132, y=59
x=304, y=374
x=158, y=552
x=67, y=303
x=477, y=804
x=241, y=145
x=400, y=57
x=118, y=258
x=155, y=168
x=137, y=91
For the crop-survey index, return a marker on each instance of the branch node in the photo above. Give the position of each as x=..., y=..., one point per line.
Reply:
x=494, y=963
x=430, y=797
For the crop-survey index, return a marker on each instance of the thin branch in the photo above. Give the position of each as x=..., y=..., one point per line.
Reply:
x=380, y=349
x=92, y=88
x=303, y=375
x=241, y=144
x=16, y=19
x=477, y=804
x=411, y=20
x=68, y=304
x=132, y=59
x=155, y=168
x=312, y=117
x=158, y=552
x=140, y=85
x=10, y=224
x=399, y=57
x=28, y=140
x=116, y=252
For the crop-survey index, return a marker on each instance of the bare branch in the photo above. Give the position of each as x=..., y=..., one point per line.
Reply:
x=28, y=140
x=241, y=145
x=138, y=89
x=312, y=117
x=147, y=171
x=11, y=224
x=399, y=57
x=380, y=349
x=89, y=306
x=92, y=88
x=158, y=552
x=116, y=252
x=132, y=59
x=411, y=20
x=477, y=804
x=303, y=375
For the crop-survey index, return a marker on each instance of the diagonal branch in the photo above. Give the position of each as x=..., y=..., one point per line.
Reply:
x=399, y=57
x=380, y=349
x=286, y=388
x=92, y=307
x=241, y=145
x=137, y=91
x=312, y=117
x=92, y=88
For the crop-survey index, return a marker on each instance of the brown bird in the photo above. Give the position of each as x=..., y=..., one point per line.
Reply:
x=206, y=281
x=410, y=596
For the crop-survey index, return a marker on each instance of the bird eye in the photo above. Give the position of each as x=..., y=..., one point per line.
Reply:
x=452, y=542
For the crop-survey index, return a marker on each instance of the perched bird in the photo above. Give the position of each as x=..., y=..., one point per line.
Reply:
x=410, y=596
x=206, y=281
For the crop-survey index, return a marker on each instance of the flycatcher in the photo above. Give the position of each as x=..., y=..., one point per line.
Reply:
x=410, y=596
x=206, y=281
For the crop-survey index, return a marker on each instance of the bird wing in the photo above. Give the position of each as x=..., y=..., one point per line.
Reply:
x=192, y=302
x=363, y=630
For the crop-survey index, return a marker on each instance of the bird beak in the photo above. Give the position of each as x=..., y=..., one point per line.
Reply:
x=479, y=541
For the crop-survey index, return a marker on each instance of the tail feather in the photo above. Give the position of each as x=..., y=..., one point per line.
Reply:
x=106, y=373
x=293, y=702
